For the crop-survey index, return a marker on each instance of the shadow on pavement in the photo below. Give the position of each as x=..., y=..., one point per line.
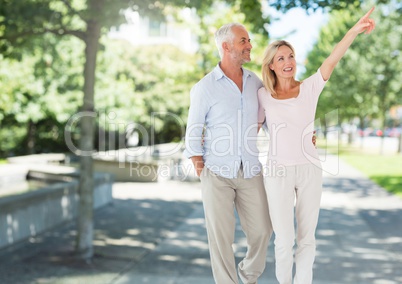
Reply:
x=156, y=235
x=359, y=236
x=125, y=232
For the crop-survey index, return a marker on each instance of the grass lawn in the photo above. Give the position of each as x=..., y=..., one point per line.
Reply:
x=385, y=170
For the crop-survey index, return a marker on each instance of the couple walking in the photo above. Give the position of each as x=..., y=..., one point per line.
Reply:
x=228, y=107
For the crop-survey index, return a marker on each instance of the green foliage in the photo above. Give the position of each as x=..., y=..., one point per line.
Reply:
x=133, y=83
x=148, y=86
x=285, y=5
x=39, y=93
x=11, y=139
x=220, y=12
x=252, y=11
x=366, y=82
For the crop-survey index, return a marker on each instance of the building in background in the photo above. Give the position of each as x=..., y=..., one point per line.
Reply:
x=143, y=31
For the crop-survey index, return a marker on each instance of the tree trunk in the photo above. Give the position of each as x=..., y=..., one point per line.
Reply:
x=351, y=133
x=31, y=137
x=362, y=126
x=383, y=108
x=84, y=245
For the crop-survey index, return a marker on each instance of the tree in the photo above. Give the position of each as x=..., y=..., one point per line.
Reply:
x=314, y=5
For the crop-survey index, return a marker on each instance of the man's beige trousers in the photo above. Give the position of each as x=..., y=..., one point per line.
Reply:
x=220, y=196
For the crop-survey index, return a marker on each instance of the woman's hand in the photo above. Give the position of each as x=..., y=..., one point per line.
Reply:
x=365, y=24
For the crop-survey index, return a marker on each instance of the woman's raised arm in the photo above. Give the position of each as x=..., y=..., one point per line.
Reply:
x=365, y=24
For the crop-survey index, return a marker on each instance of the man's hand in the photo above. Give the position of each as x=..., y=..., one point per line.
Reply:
x=198, y=164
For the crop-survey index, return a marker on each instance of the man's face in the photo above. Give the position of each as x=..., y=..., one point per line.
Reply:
x=240, y=48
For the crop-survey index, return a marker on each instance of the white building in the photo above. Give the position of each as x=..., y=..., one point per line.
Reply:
x=144, y=31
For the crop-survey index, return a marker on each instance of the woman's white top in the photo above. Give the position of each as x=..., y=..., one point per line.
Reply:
x=291, y=123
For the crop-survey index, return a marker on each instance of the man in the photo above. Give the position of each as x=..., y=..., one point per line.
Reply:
x=221, y=142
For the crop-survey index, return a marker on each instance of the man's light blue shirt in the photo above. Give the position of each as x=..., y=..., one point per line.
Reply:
x=222, y=124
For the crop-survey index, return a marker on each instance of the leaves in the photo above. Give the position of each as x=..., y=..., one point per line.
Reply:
x=135, y=82
x=285, y=5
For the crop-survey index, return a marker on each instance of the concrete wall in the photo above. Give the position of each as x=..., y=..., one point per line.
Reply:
x=128, y=171
x=28, y=214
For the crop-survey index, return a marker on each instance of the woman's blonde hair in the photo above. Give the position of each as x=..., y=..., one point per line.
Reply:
x=268, y=76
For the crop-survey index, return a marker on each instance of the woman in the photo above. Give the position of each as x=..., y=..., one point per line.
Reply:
x=289, y=106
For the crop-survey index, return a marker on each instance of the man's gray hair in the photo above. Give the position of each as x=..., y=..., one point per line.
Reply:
x=225, y=34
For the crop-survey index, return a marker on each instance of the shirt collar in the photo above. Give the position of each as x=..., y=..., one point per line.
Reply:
x=218, y=73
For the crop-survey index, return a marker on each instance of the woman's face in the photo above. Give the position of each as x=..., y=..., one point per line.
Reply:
x=284, y=62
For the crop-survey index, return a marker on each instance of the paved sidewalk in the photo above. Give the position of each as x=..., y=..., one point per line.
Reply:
x=154, y=233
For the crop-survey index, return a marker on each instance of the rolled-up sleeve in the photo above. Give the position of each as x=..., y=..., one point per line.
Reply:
x=195, y=123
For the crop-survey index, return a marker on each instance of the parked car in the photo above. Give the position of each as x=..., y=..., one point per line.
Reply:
x=393, y=132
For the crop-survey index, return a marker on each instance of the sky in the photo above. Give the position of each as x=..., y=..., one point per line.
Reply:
x=306, y=30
